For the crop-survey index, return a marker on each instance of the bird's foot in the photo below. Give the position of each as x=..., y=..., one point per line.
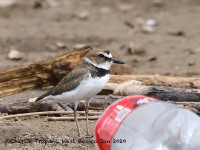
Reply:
x=89, y=135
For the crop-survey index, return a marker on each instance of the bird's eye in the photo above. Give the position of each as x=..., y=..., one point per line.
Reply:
x=101, y=55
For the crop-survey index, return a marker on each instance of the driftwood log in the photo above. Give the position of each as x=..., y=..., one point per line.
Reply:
x=166, y=93
x=16, y=106
x=96, y=103
x=40, y=74
x=188, y=98
x=192, y=83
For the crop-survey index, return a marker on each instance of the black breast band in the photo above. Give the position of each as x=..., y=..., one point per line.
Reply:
x=99, y=72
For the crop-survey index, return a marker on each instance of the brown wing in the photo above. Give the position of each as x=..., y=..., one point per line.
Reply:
x=68, y=83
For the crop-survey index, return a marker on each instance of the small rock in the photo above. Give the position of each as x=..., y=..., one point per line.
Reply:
x=129, y=24
x=7, y=3
x=177, y=33
x=60, y=45
x=136, y=49
x=16, y=119
x=194, y=51
x=147, y=29
x=44, y=3
x=125, y=7
x=77, y=46
x=84, y=15
x=38, y=4
x=15, y=55
x=158, y=3
x=151, y=22
x=191, y=64
x=52, y=3
x=153, y=59
x=135, y=25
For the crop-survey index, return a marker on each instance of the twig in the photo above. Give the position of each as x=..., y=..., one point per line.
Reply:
x=71, y=118
x=48, y=113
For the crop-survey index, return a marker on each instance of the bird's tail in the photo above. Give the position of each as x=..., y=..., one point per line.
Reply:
x=43, y=96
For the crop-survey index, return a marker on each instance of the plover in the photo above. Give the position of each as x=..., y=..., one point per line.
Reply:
x=84, y=82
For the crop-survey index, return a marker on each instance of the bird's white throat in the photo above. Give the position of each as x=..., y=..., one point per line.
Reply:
x=106, y=65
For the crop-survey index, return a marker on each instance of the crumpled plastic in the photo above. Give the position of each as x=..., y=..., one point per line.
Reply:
x=159, y=126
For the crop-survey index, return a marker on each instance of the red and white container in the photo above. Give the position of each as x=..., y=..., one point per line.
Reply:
x=144, y=123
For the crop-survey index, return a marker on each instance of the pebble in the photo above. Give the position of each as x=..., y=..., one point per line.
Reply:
x=14, y=54
x=158, y=3
x=136, y=49
x=151, y=22
x=194, y=51
x=191, y=64
x=45, y=3
x=7, y=3
x=60, y=45
x=77, y=46
x=147, y=29
x=152, y=59
x=16, y=119
x=84, y=15
x=177, y=33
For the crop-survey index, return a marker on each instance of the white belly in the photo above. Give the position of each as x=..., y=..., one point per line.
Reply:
x=87, y=89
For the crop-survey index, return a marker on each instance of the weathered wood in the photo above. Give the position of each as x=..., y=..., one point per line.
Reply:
x=100, y=102
x=71, y=118
x=25, y=107
x=40, y=74
x=160, y=92
x=158, y=80
x=17, y=106
x=48, y=113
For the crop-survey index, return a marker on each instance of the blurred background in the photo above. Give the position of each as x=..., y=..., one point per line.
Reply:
x=152, y=36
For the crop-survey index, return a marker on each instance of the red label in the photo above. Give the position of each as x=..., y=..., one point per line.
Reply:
x=110, y=122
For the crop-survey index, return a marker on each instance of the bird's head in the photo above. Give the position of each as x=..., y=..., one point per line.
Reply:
x=101, y=59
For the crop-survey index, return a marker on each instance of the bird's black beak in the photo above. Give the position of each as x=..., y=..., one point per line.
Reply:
x=117, y=61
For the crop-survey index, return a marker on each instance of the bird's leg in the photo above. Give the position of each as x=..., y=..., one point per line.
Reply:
x=76, y=120
x=86, y=114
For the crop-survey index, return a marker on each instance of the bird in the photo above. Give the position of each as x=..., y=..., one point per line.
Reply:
x=83, y=82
